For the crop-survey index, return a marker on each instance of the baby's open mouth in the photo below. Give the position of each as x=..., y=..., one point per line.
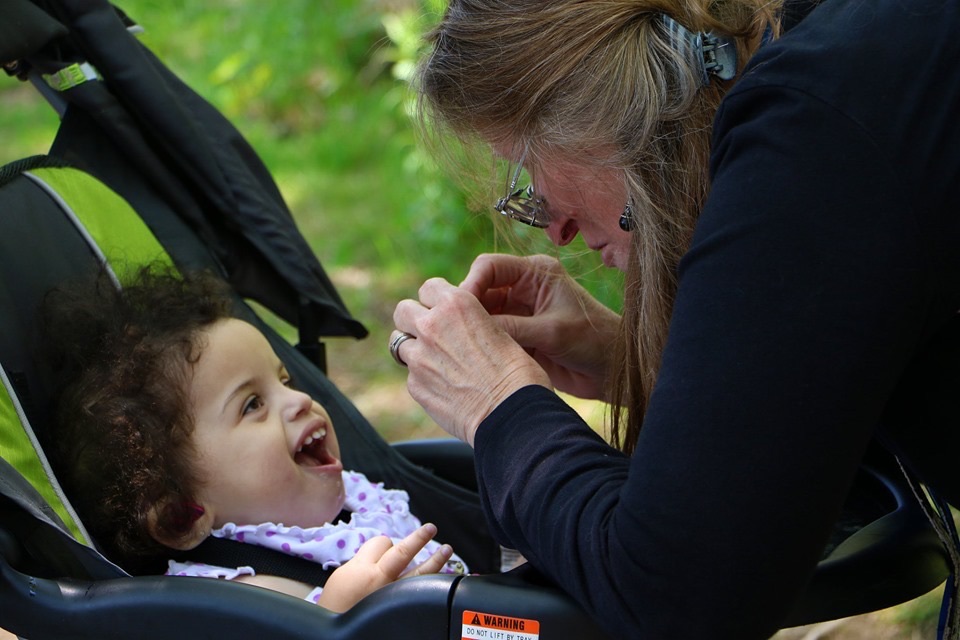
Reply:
x=313, y=451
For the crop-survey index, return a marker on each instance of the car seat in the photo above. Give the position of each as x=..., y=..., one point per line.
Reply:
x=143, y=169
x=57, y=224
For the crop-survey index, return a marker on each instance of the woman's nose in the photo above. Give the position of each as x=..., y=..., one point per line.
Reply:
x=562, y=232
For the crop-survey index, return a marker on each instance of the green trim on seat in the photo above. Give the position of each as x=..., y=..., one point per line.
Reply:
x=106, y=219
x=18, y=448
x=117, y=236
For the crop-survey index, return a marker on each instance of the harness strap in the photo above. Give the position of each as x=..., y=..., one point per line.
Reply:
x=222, y=552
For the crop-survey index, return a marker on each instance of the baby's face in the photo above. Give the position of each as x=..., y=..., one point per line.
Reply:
x=266, y=452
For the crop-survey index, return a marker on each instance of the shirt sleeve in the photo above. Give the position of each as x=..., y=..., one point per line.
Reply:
x=799, y=303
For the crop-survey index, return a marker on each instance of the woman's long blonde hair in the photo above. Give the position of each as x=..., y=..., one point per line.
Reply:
x=598, y=80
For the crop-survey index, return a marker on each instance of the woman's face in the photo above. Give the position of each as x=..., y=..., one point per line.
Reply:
x=266, y=452
x=585, y=199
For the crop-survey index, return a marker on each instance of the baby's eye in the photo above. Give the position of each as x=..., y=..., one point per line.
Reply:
x=252, y=404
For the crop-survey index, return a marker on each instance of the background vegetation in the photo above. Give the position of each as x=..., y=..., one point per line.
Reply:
x=320, y=90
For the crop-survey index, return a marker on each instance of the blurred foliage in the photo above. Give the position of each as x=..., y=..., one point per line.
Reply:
x=321, y=91
x=314, y=91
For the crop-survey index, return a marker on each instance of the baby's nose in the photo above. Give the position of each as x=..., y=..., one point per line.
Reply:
x=296, y=404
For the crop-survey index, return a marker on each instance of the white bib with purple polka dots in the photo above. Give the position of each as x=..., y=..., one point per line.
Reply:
x=374, y=511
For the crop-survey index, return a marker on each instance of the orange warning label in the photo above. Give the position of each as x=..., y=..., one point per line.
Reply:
x=490, y=626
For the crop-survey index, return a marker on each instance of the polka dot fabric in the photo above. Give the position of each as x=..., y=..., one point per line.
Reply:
x=374, y=511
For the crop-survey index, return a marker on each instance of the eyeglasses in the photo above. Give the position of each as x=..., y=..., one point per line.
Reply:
x=523, y=205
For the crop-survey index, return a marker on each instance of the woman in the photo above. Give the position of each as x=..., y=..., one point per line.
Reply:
x=787, y=221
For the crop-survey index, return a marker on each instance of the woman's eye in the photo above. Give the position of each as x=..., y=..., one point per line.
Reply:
x=252, y=404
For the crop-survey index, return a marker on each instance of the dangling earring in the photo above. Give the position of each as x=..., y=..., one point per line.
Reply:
x=626, y=218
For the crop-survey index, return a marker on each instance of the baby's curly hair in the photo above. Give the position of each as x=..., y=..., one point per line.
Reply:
x=122, y=358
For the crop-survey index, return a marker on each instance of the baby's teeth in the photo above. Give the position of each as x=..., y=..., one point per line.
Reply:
x=316, y=435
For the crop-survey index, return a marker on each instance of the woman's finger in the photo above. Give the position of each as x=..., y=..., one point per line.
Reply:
x=405, y=315
x=493, y=271
x=434, y=291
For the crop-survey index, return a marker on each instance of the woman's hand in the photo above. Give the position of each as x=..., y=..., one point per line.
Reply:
x=462, y=364
x=568, y=332
x=378, y=563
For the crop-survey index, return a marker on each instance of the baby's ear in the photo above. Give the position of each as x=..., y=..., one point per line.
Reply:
x=178, y=524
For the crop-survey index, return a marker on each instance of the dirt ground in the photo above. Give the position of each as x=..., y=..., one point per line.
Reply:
x=883, y=625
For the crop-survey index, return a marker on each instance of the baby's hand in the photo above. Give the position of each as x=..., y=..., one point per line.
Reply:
x=378, y=563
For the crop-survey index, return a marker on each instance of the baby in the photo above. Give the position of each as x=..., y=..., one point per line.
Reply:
x=177, y=421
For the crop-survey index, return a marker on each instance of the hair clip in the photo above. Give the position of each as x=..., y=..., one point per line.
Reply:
x=711, y=54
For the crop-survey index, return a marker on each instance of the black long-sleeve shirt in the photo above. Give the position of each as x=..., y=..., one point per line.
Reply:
x=823, y=268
